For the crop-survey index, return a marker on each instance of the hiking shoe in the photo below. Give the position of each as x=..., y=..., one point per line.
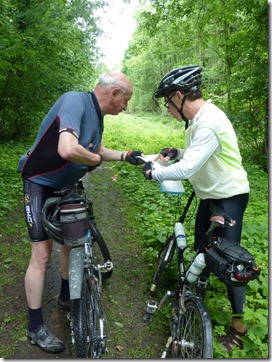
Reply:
x=45, y=339
x=64, y=304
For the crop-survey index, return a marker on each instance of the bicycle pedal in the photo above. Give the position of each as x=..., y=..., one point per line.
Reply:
x=151, y=306
x=150, y=309
x=109, y=265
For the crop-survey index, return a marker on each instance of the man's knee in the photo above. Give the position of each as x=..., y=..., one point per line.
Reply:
x=41, y=253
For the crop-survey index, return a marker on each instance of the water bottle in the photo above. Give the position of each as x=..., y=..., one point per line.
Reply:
x=180, y=236
x=196, y=268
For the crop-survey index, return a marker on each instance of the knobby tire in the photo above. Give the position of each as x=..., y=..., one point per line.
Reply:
x=85, y=314
x=80, y=317
x=192, y=331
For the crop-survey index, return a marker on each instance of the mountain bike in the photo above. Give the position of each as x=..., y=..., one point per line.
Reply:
x=89, y=263
x=191, y=333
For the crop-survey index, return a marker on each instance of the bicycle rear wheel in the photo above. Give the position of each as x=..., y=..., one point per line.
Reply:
x=192, y=331
x=87, y=321
x=80, y=317
x=101, y=251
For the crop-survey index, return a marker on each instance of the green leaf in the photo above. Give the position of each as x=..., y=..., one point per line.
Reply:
x=119, y=324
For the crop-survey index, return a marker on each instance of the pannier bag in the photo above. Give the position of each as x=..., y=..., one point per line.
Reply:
x=231, y=263
x=74, y=224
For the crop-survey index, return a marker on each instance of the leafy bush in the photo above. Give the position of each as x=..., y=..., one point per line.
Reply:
x=10, y=179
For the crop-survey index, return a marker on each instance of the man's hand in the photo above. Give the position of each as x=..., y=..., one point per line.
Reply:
x=91, y=168
x=147, y=168
x=130, y=157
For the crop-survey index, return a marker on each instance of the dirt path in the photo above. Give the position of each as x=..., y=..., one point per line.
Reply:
x=124, y=294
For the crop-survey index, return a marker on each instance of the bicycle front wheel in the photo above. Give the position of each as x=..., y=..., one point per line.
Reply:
x=192, y=331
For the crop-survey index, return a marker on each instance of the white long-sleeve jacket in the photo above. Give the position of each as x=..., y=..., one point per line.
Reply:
x=211, y=159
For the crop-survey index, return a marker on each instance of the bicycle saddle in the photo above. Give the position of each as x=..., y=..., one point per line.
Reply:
x=71, y=197
x=220, y=216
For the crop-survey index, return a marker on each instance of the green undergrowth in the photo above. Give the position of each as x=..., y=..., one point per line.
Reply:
x=155, y=213
x=12, y=255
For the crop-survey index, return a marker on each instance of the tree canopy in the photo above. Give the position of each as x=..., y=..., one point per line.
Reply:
x=46, y=47
x=227, y=38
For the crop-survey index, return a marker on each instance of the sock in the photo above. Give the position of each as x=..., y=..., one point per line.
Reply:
x=64, y=290
x=35, y=318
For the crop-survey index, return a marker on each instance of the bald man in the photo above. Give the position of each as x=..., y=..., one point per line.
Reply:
x=68, y=145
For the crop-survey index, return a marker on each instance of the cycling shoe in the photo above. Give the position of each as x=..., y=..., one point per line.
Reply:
x=45, y=339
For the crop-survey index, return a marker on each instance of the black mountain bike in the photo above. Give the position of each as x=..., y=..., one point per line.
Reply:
x=89, y=264
x=191, y=328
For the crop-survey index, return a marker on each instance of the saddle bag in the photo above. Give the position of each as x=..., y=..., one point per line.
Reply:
x=231, y=263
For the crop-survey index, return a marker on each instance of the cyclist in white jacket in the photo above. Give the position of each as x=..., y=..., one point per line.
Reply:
x=211, y=161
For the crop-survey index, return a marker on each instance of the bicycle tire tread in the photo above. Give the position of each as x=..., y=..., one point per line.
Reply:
x=79, y=323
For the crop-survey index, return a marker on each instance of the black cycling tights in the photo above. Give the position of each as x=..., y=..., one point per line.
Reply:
x=234, y=207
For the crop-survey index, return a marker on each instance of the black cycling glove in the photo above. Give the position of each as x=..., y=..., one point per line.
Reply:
x=130, y=157
x=148, y=166
x=170, y=152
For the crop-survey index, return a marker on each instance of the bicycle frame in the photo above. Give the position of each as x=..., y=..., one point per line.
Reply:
x=170, y=244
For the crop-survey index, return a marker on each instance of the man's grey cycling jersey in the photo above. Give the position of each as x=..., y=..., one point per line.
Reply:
x=75, y=112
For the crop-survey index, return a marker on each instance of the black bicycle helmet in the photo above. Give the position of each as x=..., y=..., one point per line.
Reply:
x=50, y=219
x=185, y=79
